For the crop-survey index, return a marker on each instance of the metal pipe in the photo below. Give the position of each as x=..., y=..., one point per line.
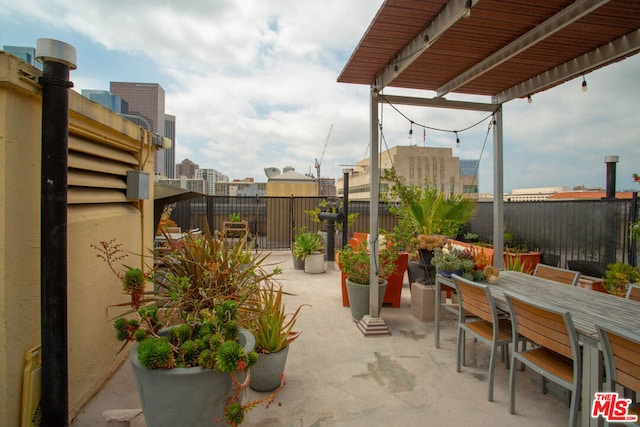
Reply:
x=611, y=176
x=345, y=206
x=57, y=58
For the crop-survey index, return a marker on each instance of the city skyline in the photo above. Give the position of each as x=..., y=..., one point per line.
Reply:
x=254, y=85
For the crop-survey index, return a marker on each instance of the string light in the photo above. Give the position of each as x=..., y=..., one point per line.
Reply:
x=529, y=100
x=425, y=127
x=411, y=134
x=584, y=84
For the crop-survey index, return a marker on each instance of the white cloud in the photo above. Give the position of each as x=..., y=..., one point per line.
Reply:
x=253, y=84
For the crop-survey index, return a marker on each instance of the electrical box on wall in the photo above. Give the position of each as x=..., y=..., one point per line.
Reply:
x=137, y=185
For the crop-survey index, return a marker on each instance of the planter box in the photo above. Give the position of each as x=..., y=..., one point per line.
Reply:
x=423, y=301
x=528, y=259
x=395, y=282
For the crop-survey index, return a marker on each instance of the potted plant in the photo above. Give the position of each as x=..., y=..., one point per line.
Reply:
x=308, y=246
x=189, y=352
x=298, y=258
x=491, y=273
x=618, y=277
x=272, y=328
x=355, y=262
x=450, y=260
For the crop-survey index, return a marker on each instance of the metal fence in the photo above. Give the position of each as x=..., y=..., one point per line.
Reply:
x=592, y=230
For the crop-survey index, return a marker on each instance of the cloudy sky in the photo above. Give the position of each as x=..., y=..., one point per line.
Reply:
x=253, y=85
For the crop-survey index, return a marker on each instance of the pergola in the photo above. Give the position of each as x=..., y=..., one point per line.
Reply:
x=501, y=49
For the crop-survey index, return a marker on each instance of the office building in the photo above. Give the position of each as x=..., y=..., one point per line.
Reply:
x=187, y=169
x=416, y=165
x=147, y=102
x=27, y=54
x=212, y=177
x=107, y=99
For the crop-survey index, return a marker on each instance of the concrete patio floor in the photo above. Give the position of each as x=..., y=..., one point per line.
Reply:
x=337, y=377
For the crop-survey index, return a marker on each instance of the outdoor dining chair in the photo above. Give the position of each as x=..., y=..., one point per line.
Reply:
x=633, y=292
x=557, y=274
x=556, y=354
x=620, y=349
x=487, y=327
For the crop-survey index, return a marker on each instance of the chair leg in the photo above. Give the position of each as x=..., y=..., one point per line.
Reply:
x=492, y=365
x=460, y=349
x=575, y=405
x=512, y=387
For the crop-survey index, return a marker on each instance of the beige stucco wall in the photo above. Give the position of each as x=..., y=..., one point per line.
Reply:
x=292, y=188
x=91, y=285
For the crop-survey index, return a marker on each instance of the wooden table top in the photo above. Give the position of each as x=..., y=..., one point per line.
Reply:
x=587, y=307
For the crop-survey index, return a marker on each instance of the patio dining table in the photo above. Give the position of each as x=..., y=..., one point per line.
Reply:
x=587, y=308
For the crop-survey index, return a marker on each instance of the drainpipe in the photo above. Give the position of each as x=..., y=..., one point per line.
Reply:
x=609, y=243
x=611, y=176
x=57, y=58
x=345, y=205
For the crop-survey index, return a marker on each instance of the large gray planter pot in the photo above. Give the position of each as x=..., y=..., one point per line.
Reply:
x=265, y=374
x=314, y=263
x=298, y=263
x=359, y=298
x=189, y=397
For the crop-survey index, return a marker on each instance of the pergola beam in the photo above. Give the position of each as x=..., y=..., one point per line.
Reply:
x=437, y=103
x=552, y=25
x=449, y=15
x=615, y=50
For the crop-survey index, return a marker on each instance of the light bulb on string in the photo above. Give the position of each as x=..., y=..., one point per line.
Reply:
x=457, y=139
x=584, y=84
x=411, y=134
x=529, y=99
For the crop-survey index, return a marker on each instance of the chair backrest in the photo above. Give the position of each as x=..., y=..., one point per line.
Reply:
x=588, y=268
x=544, y=324
x=474, y=298
x=633, y=292
x=556, y=274
x=550, y=259
x=620, y=349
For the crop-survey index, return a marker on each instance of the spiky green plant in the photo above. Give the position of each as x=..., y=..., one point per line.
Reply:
x=156, y=353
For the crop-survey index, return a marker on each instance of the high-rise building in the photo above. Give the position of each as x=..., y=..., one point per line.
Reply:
x=417, y=165
x=27, y=54
x=146, y=100
x=170, y=153
x=187, y=169
x=107, y=99
x=212, y=177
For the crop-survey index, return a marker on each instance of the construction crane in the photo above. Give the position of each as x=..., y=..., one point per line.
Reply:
x=319, y=162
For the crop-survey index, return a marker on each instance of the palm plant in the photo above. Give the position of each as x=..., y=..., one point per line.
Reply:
x=435, y=213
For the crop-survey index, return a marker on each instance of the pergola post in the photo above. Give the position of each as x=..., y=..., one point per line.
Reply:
x=372, y=324
x=498, y=191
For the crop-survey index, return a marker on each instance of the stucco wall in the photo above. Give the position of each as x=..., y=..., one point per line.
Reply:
x=95, y=214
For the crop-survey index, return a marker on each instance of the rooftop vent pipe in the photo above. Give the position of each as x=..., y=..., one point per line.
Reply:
x=611, y=176
x=57, y=58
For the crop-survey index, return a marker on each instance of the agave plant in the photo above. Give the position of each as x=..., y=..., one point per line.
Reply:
x=272, y=326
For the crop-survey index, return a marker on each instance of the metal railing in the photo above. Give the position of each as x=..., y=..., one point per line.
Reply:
x=592, y=230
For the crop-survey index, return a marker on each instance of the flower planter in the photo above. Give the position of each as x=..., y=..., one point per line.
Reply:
x=359, y=298
x=314, y=263
x=189, y=397
x=265, y=374
x=395, y=282
x=298, y=263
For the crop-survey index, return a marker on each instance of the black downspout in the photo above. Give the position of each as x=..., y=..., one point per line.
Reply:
x=345, y=207
x=609, y=242
x=53, y=229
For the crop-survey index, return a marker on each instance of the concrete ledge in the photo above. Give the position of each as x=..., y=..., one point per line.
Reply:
x=423, y=302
